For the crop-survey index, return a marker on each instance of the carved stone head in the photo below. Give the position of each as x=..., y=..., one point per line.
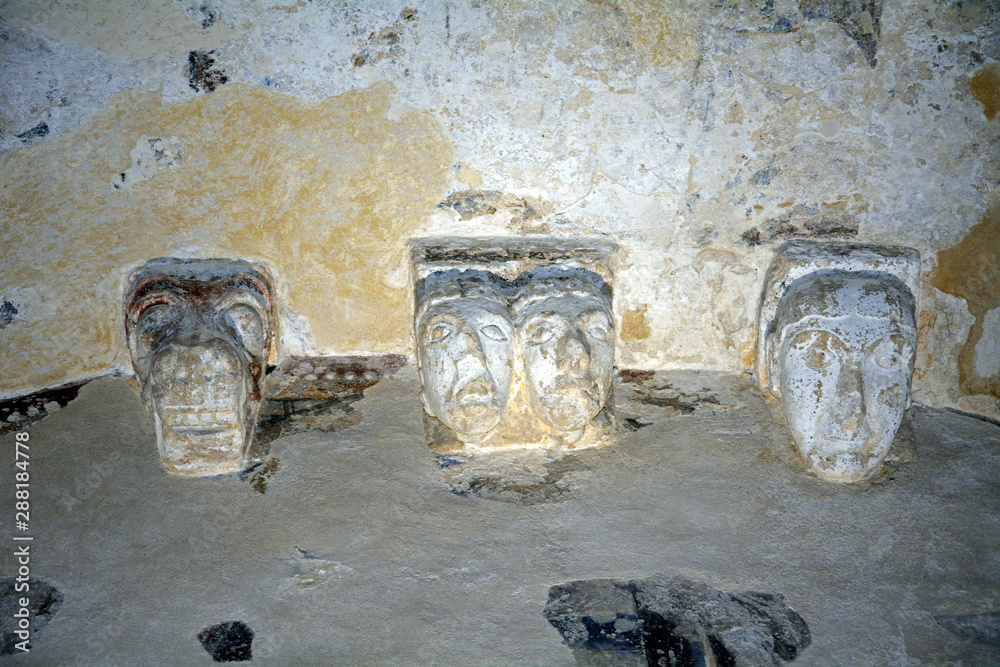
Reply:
x=566, y=343
x=199, y=334
x=465, y=341
x=840, y=354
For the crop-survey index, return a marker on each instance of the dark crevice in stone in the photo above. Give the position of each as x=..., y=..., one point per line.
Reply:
x=44, y=601
x=674, y=622
x=793, y=226
x=231, y=641
x=632, y=424
x=16, y=413
x=858, y=18
x=39, y=131
x=7, y=313
x=260, y=473
x=982, y=629
x=466, y=479
x=203, y=73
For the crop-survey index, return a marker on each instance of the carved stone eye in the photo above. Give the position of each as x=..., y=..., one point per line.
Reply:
x=493, y=332
x=440, y=331
x=598, y=332
x=540, y=334
x=888, y=359
x=818, y=358
x=247, y=326
x=153, y=323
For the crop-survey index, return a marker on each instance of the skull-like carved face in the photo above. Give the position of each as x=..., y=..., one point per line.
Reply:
x=566, y=339
x=199, y=333
x=840, y=354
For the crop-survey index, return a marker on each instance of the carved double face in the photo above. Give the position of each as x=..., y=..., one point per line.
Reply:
x=566, y=341
x=479, y=337
x=199, y=333
x=840, y=357
x=465, y=340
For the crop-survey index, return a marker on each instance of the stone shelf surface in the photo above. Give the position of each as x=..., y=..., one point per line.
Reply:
x=362, y=549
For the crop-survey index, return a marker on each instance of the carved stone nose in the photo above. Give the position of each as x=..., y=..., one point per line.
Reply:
x=574, y=353
x=470, y=346
x=850, y=404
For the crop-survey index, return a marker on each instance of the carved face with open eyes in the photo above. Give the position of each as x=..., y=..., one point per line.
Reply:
x=566, y=339
x=841, y=359
x=465, y=341
x=199, y=334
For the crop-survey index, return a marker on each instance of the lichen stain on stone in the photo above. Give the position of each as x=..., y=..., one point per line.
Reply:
x=664, y=33
x=971, y=271
x=985, y=87
x=634, y=325
x=325, y=192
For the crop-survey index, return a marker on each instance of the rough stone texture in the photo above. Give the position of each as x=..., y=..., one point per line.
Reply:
x=44, y=603
x=359, y=553
x=674, y=622
x=696, y=135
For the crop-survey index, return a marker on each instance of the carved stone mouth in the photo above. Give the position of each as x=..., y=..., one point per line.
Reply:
x=479, y=391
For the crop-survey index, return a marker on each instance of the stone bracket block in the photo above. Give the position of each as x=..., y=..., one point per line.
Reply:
x=199, y=334
x=515, y=341
x=836, y=346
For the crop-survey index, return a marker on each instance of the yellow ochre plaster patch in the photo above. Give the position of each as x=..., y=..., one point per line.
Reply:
x=634, y=325
x=663, y=32
x=325, y=193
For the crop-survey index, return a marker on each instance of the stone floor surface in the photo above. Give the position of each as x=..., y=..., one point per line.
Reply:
x=364, y=549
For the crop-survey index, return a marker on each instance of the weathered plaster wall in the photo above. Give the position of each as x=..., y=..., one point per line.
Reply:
x=318, y=138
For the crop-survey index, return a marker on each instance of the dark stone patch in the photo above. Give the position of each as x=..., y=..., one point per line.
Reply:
x=674, y=622
x=599, y=617
x=7, y=313
x=408, y=14
x=631, y=424
x=471, y=478
x=258, y=474
x=203, y=73
x=228, y=642
x=820, y=226
x=667, y=396
x=513, y=250
x=210, y=15
x=858, y=18
x=474, y=203
x=31, y=408
x=983, y=629
x=44, y=601
x=39, y=131
x=765, y=175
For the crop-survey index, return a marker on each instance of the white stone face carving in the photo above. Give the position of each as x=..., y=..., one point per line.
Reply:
x=566, y=342
x=465, y=343
x=515, y=342
x=199, y=333
x=839, y=355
